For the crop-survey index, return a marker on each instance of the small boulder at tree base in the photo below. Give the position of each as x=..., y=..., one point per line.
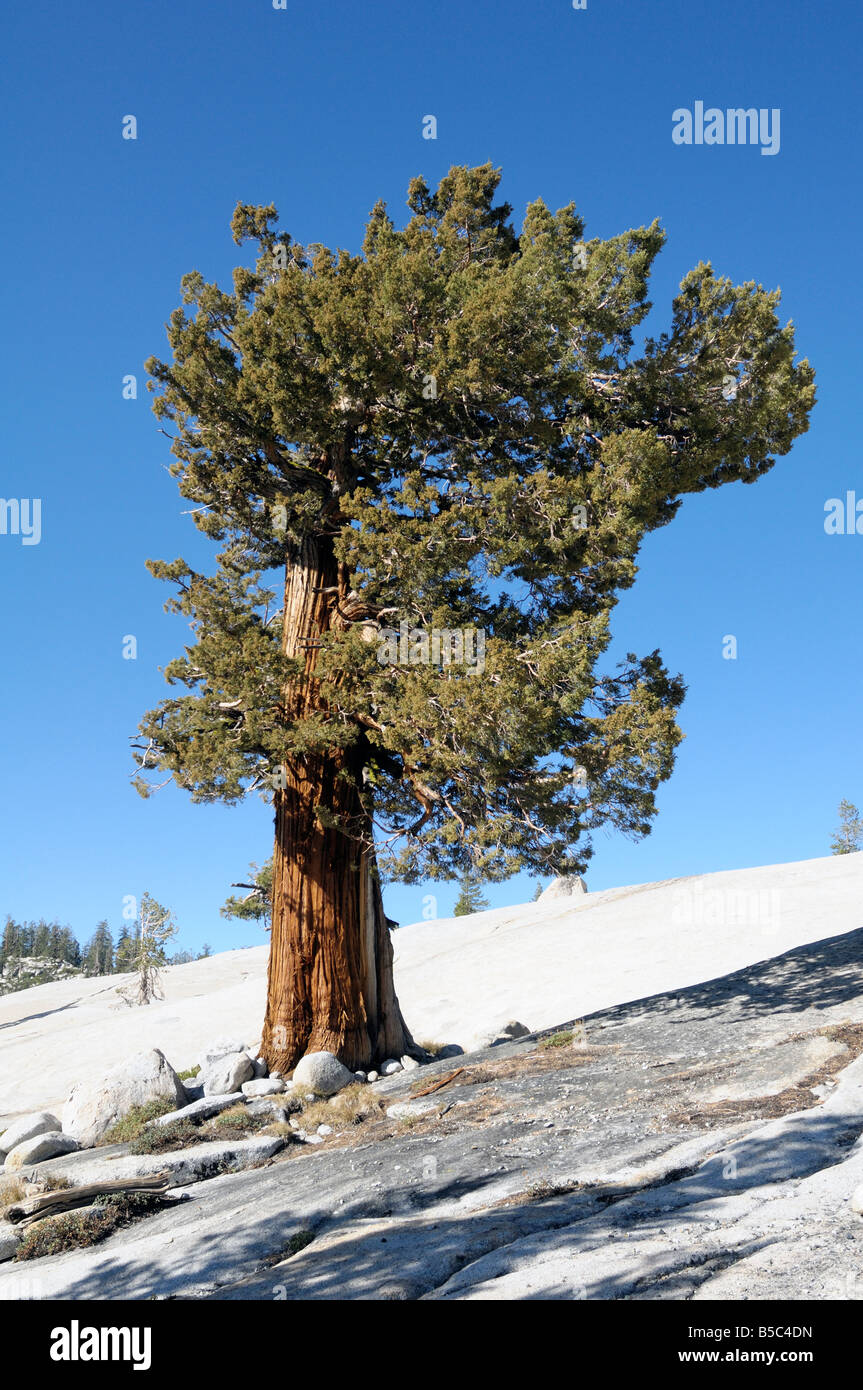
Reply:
x=261, y=1086
x=94, y=1106
x=218, y=1048
x=323, y=1073
x=226, y=1074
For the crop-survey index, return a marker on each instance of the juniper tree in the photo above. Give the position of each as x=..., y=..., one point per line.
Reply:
x=453, y=430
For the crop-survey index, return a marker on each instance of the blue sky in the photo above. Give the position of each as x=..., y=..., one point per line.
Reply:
x=319, y=109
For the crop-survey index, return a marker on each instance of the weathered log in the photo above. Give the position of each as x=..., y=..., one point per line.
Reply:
x=67, y=1198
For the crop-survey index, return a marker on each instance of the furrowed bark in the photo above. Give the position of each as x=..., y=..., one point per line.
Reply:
x=330, y=982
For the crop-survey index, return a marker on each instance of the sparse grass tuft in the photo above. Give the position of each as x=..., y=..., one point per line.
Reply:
x=349, y=1107
x=557, y=1040
x=159, y=1139
x=281, y=1128
x=432, y=1047
x=236, y=1123
x=131, y=1125
x=189, y=1073
x=12, y=1190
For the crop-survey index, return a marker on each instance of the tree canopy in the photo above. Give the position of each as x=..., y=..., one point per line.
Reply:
x=462, y=416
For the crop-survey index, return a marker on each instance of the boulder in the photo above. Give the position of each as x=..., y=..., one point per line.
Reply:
x=226, y=1074
x=262, y=1087
x=220, y=1047
x=94, y=1106
x=260, y=1068
x=323, y=1073
x=451, y=1050
x=390, y=1067
x=10, y=1239
x=373, y=1076
x=39, y=1148
x=200, y=1109
x=571, y=886
x=514, y=1029
x=27, y=1128
x=409, y=1063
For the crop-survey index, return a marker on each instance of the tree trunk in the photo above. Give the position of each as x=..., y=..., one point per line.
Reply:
x=330, y=982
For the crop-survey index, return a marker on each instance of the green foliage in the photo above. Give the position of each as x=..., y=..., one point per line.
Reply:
x=256, y=905
x=133, y=1124
x=74, y=1230
x=470, y=898
x=237, y=1123
x=460, y=421
x=848, y=839
x=99, y=955
x=157, y=1139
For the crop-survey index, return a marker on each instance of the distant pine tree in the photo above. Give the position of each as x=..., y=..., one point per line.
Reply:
x=99, y=952
x=537, y=892
x=124, y=956
x=155, y=929
x=470, y=898
x=847, y=839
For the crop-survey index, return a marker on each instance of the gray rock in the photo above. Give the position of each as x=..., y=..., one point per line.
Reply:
x=406, y=1109
x=10, y=1239
x=373, y=1076
x=39, y=1148
x=27, y=1128
x=451, y=1050
x=571, y=886
x=361, y=1075
x=185, y=1166
x=262, y=1087
x=200, y=1109
x=409, y=1063
x=193, y=1090
x=325, y=1129
x=220, y=1047
x=94, y=1106
x=226, y=1074
x=322, y=1073
x=260, y=1067
x=514, y=1029
x=390, y=1067
x=269, y=1106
